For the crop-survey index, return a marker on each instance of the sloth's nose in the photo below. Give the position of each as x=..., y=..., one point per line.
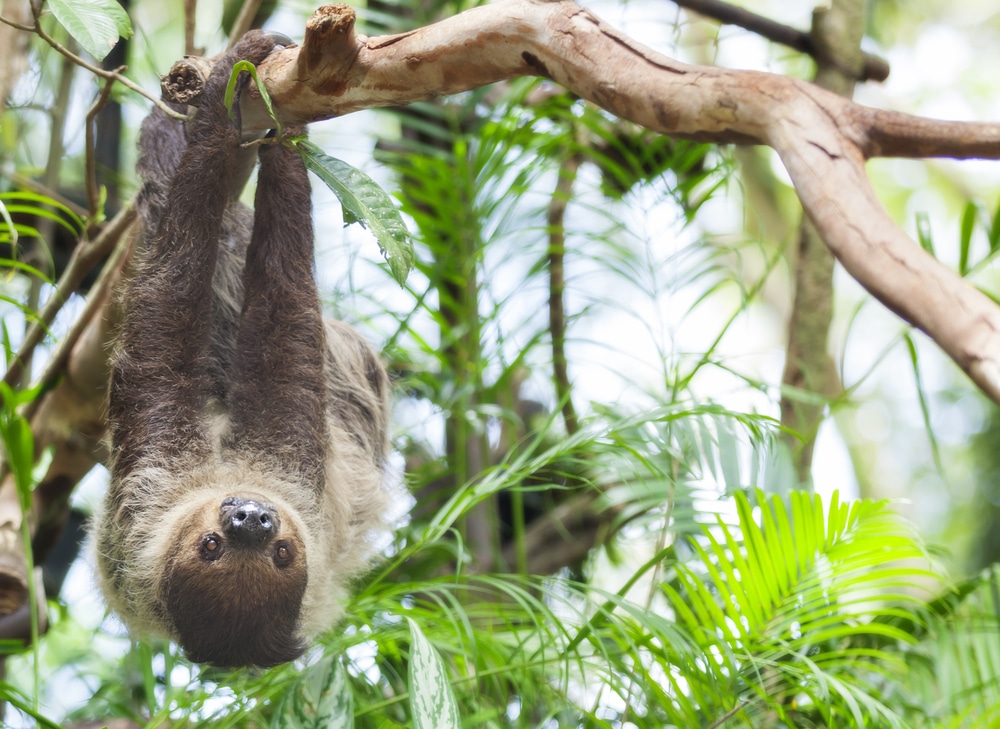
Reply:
x=250, y=523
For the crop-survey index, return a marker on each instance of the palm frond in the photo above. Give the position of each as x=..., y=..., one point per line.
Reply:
x=787, y=602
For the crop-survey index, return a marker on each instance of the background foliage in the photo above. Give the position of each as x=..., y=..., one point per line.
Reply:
x=607, y=526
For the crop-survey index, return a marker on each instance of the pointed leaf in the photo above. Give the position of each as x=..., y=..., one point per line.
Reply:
x=431, y=698
x=8, y=223
x=993, y=234
x=965, y=239
x=924, y=234
x=758, y=554
x=95, y=24
x=365, y=202
x=321, y=699
x=230, y=97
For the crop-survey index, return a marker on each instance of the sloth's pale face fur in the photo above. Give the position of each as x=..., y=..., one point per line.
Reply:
x=220, y=587
x=168, y=568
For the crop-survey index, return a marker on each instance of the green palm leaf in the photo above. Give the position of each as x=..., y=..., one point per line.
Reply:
x=788, y=602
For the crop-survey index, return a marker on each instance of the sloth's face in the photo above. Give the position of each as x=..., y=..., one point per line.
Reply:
x=234, y=586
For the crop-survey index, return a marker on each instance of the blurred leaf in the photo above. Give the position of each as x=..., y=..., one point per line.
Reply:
x=41, y=206
x=95, y=24
x=365, y=202
x=924, y=234
x=321, y=698
x=965, y=238
x=19, y=442
x=993, y=234
x=11, y=229
x=925, y=411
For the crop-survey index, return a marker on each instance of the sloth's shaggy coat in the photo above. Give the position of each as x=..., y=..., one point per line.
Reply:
x=227, y=383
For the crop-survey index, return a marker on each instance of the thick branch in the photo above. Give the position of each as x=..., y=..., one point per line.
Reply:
x=822, y=139
x=808, y=365
x=337, y=71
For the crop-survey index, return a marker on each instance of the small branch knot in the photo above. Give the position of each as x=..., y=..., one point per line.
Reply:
x=185, y=80
x=330, y=41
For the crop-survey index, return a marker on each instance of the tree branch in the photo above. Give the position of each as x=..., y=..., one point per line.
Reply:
x=557, y=286
x=872, y=67
x=85, y=257
x=808, y=365
x=822, y=139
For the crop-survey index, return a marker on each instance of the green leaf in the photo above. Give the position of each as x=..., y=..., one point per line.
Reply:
x=431, y=698
x=8, y=223
x=95, y=24
x=365, y=202
x=993, y=234
x=321, y=699
x=230, y=96
x=8, y=347
x=804, y=595
x=924, y=234
x=18, y=442
x=925, y=411
x=38, y=206
x=965, y=240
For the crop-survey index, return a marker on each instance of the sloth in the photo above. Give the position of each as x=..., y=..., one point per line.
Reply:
x=248, y=434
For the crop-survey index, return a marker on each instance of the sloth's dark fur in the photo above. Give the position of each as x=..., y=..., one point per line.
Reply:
x=231, y=396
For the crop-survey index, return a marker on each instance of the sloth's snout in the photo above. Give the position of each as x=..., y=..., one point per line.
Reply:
x=247, y=521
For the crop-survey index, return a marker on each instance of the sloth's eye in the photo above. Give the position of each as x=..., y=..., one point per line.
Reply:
x=282, y=554
x=211, y=547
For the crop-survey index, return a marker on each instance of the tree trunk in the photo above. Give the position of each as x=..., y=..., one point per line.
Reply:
x=837, y=33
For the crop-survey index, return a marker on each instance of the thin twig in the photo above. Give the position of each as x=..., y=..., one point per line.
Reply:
x=16, y=25
x=93, y=193
x=874, y=68
x=729, y=714
x=557, y=286
x=190, y=11
x=83, y=63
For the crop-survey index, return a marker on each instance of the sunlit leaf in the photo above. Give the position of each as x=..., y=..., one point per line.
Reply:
x=365, y=202
x=965, y=238
x=95, y=24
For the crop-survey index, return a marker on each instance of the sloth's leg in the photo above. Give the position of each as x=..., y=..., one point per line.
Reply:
x=278, y=399
x=161, y=379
